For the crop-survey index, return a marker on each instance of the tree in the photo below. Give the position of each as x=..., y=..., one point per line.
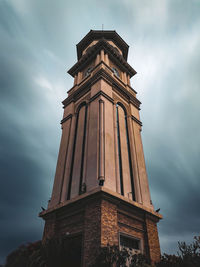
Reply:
x=62, y=251
x=57, y=251
x=21, y=257
x=187, y=256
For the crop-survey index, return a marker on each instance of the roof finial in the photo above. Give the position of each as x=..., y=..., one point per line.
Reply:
x=102, y=27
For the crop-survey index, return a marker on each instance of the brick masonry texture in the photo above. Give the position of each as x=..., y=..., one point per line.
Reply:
x=153, y=239
x=109, y=231
x=100, y=219
x=92, y=231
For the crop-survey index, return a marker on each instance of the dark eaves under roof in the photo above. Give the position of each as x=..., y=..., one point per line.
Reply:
x=108, y=35
x=116, y=57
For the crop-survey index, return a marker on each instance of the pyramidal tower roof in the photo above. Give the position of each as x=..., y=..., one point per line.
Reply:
x=108, y=35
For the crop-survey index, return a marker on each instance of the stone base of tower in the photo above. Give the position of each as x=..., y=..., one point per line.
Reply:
x=102, y=217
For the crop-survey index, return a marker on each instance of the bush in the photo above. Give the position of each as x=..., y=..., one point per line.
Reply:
x=55, y=252
x=112, y=256
x=62, y=252
x=188, y=256
x=23, y=256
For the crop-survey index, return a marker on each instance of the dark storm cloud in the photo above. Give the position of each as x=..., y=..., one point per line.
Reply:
x=27, y=156
x=37, y=45
x=171, y=140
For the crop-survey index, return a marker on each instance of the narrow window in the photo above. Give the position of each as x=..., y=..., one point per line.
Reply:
x=83, y=153
x=82, y=149
x=128, y=150
x=119, y=152
x=129, y=158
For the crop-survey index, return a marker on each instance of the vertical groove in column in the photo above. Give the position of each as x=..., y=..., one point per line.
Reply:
x=129, y=157
x=86, y=144
x=116, y=149
x=83, y=151
x=136, y=176
x=72, y=162
x=101, y=141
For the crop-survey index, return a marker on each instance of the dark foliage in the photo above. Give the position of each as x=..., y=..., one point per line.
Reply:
x=23, y=256
x=62, y=252
x=54, y=252
x=112, y=256
x=188, y=256
x=139, y=260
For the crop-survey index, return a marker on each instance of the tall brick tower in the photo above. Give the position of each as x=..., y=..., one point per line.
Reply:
x=101, y=192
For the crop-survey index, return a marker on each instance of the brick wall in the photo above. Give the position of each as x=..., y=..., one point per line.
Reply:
x=92, y=231
x=100, y=219
x=109, y=230
x=153, y=240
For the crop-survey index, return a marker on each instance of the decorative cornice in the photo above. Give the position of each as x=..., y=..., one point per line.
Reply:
x=109, y=49
x=101, y=93
x=77, y=94
x=135, y=102
x=66, y=118
x=103, y=193
x=136, y=120
x=102, y=74
x=131, y=88
x=126, y=93
x=131, y=227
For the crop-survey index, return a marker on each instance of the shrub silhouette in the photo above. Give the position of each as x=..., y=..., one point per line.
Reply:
x=187, y=256
x=112, y=256
x=62, y=252
x=55, y=252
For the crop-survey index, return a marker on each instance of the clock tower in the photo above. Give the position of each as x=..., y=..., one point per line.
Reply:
x=101, y=193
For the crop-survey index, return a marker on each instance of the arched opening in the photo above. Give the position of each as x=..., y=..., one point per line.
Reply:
x=76, y=171
x=124, y=152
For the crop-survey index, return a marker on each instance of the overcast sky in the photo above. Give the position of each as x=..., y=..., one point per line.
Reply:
x=37, y=46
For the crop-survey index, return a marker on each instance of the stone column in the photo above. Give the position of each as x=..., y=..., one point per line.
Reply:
x=106, y=59
x=61, y=163
x=68, y=160
x=75, y=79
x=79, y=77
x=128, y=79
x=138, y=194
x=102, y=55
x=97, y=60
